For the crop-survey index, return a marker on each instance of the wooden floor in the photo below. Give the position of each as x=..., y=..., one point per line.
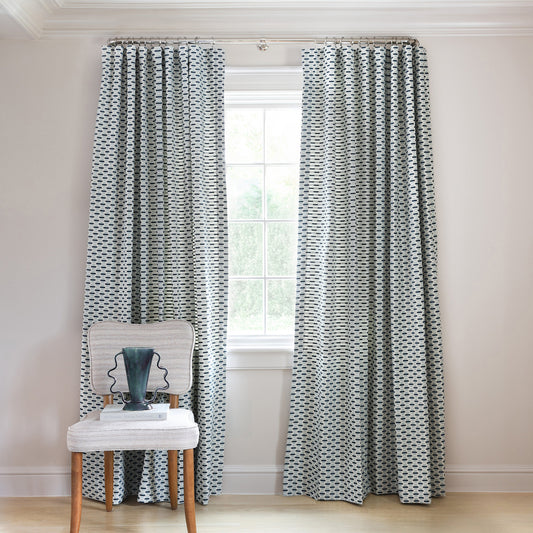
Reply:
x=456, y=513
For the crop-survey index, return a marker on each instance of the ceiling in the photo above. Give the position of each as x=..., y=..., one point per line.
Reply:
x=51, y=19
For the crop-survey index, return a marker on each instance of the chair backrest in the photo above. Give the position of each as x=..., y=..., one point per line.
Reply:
x=173, y=340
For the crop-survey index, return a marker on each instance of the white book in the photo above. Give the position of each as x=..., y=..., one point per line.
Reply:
x=115, y=412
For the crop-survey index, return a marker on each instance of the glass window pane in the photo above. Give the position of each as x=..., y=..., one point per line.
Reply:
x=245, y=313
x=280, y=306
x=282, y=135
x=245, y=250
x=282, y=191
x=245, y=191
x=244, y=135
x=281, y=248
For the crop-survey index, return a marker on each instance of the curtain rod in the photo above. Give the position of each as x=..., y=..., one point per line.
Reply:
x=263, y=44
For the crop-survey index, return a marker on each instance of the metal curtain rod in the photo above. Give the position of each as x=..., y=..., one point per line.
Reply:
x=263, y=44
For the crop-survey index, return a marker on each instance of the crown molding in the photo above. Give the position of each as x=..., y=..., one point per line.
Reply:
x=311, y=22
x=31, y=15
x=27, y=13
x=271, y=4
x=270, y=18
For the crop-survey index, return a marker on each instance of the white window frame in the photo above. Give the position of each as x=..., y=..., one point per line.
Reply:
x=264, y=87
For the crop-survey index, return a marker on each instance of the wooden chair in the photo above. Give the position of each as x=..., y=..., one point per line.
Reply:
x=174, y=341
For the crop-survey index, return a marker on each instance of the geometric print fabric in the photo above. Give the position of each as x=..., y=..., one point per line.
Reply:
x=367, y=404
x=157, y=246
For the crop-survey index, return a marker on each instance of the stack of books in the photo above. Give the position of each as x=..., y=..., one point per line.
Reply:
x=115, y=412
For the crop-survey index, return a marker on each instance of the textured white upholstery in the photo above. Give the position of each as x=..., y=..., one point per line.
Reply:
x=178, y=432
x=172, y=339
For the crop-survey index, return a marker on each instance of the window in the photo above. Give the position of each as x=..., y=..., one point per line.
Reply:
x=262, y=156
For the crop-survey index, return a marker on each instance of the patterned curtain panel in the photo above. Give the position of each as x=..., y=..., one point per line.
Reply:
x=158, y=237
x=367, y=413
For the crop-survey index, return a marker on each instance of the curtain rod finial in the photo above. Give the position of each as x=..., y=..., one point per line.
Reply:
x=262, y=45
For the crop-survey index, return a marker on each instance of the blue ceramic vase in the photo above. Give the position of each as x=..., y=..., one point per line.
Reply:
x=137, y=362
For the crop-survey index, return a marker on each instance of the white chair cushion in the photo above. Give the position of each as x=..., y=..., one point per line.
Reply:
x=178, y=432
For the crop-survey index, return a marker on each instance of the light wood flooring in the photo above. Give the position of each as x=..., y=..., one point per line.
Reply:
x=456, y=513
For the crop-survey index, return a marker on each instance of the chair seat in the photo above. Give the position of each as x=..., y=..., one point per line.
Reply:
x=178, y=432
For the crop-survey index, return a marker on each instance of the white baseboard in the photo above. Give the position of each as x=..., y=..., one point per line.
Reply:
x=34, y=481
x=252, y=479
x=489, y=478
x=267, y=479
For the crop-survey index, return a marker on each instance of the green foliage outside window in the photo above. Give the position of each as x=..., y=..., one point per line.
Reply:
x=262, y=151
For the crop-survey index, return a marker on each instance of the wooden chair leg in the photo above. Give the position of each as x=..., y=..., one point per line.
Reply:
x=76, y=473
x=173, y=478
x=188, y=486
x=109, y=459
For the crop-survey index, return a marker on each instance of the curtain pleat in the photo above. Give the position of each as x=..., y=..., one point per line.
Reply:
x=158, y=238
x=367, y=411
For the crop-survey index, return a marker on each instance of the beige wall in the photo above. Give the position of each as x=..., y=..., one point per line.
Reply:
x=482, y=109
x=482, y=92
x=48, y=95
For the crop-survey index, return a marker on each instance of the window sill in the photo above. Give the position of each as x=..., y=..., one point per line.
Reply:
x=260, y=353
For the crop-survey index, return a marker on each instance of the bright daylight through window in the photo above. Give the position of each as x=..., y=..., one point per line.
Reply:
x=262, y=154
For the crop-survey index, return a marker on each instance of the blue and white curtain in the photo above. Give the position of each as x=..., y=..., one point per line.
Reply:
x=367, y=412
x=158, y=237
